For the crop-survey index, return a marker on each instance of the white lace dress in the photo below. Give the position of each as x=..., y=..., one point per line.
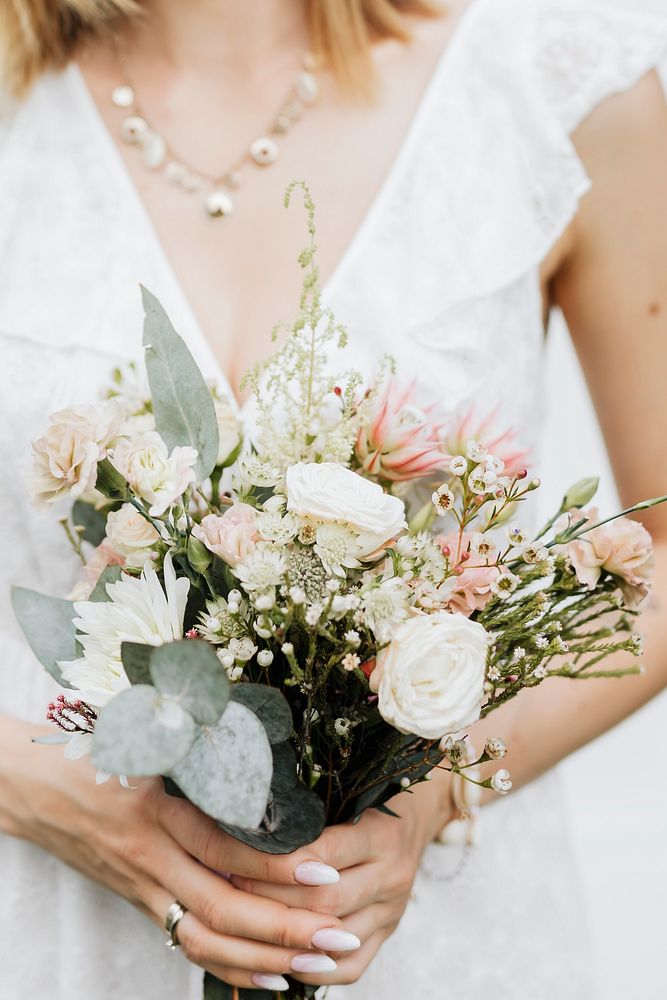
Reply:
x=444, y=274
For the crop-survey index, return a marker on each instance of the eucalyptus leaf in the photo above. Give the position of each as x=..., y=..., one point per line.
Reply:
x=139, y=732
x=182, y=402
x=190, y=672
x=135, y=657
x=92, y=521
x=295, y=819
x=48, y=625
x=270, y=706
x=227, y=772
x=284, y=769
x=110, y=574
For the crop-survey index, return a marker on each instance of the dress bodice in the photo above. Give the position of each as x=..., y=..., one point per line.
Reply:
x=443, y=274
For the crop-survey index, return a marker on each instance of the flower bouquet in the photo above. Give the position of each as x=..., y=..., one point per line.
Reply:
x=293, y=626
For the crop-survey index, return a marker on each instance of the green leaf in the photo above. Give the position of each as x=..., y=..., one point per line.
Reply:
x=227, y=772
x=285, y=774
x=48, y=625
x=93, y=521
x=192, y=674
x=135, y=657
x=270, y=706
x=215, y=989
x=182, y=402
x=295, y=819
x=139, y=732
x=110, y=574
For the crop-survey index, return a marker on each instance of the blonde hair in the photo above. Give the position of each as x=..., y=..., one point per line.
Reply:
x=38, y=35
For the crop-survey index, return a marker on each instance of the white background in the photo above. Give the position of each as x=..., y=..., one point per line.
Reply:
x=616, y=788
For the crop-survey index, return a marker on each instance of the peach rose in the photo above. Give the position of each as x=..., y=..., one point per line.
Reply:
x=622, y=547
x=231, y=536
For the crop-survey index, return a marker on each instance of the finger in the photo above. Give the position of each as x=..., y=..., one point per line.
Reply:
x=249, y=980
x=201, y=837
x=229, y=910
x=358, y=887
x=350, y=967
x=208, y=949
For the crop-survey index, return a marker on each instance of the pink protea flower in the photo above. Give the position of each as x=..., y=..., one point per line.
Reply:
x=399, y=441
x=485, y=432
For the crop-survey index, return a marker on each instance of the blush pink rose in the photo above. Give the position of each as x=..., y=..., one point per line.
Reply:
x=471, y=588
x=622, y=547
x=232, y=535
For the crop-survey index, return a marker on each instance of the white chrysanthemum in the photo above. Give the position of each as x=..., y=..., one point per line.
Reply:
x=385, y=607
x=337, y=547
x=138, y=610
x=263, y=569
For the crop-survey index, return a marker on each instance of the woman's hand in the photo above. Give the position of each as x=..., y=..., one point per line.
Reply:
x=378, y=860
x=149, y=847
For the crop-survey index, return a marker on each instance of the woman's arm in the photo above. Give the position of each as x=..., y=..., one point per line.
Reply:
x=612, y=287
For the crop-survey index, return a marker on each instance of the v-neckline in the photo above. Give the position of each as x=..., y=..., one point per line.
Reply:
x=352, y=249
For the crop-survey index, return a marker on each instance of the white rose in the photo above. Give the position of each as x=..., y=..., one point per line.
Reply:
x=131, y=535
x=152, y=473
x=66, y=457
x=331, y=493
x=229, y=430
x=430, y=678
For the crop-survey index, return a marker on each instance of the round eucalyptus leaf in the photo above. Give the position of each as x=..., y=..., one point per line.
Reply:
x=227, y=772
x=270, y=706
x=294, y=819
x=284, y=769
x=190, y=672
x=140, y=732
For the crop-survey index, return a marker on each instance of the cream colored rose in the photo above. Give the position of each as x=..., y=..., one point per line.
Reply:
x=329, y=493
x=229, y=430
x=153, y=474
x=66, y=457
x=622, y=547
x=430, y=678
x=231, y=536
x=132, y=536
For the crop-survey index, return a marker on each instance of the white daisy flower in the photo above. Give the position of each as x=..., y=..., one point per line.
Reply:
x=262, y=569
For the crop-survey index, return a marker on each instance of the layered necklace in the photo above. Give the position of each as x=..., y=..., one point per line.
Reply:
x=217, y=192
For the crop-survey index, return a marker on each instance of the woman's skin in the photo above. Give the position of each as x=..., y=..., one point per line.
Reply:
x=209, y=73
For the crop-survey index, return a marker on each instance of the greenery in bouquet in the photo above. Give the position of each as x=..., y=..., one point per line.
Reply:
x=294, y=625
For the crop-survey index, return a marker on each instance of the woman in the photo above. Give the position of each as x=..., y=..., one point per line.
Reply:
x=514, y=160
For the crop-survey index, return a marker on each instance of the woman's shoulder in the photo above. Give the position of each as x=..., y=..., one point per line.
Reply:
x=570, y=55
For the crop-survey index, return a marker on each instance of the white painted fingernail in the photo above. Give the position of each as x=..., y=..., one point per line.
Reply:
x=315, y=873
x=269, y=982
x=313, y=963
x=334, y=939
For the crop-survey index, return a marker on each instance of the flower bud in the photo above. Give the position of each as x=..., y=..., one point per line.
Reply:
x=198, y=555
x=581, y=493
x=500, y=782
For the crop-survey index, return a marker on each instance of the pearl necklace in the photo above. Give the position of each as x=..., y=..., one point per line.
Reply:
x=158, y=155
